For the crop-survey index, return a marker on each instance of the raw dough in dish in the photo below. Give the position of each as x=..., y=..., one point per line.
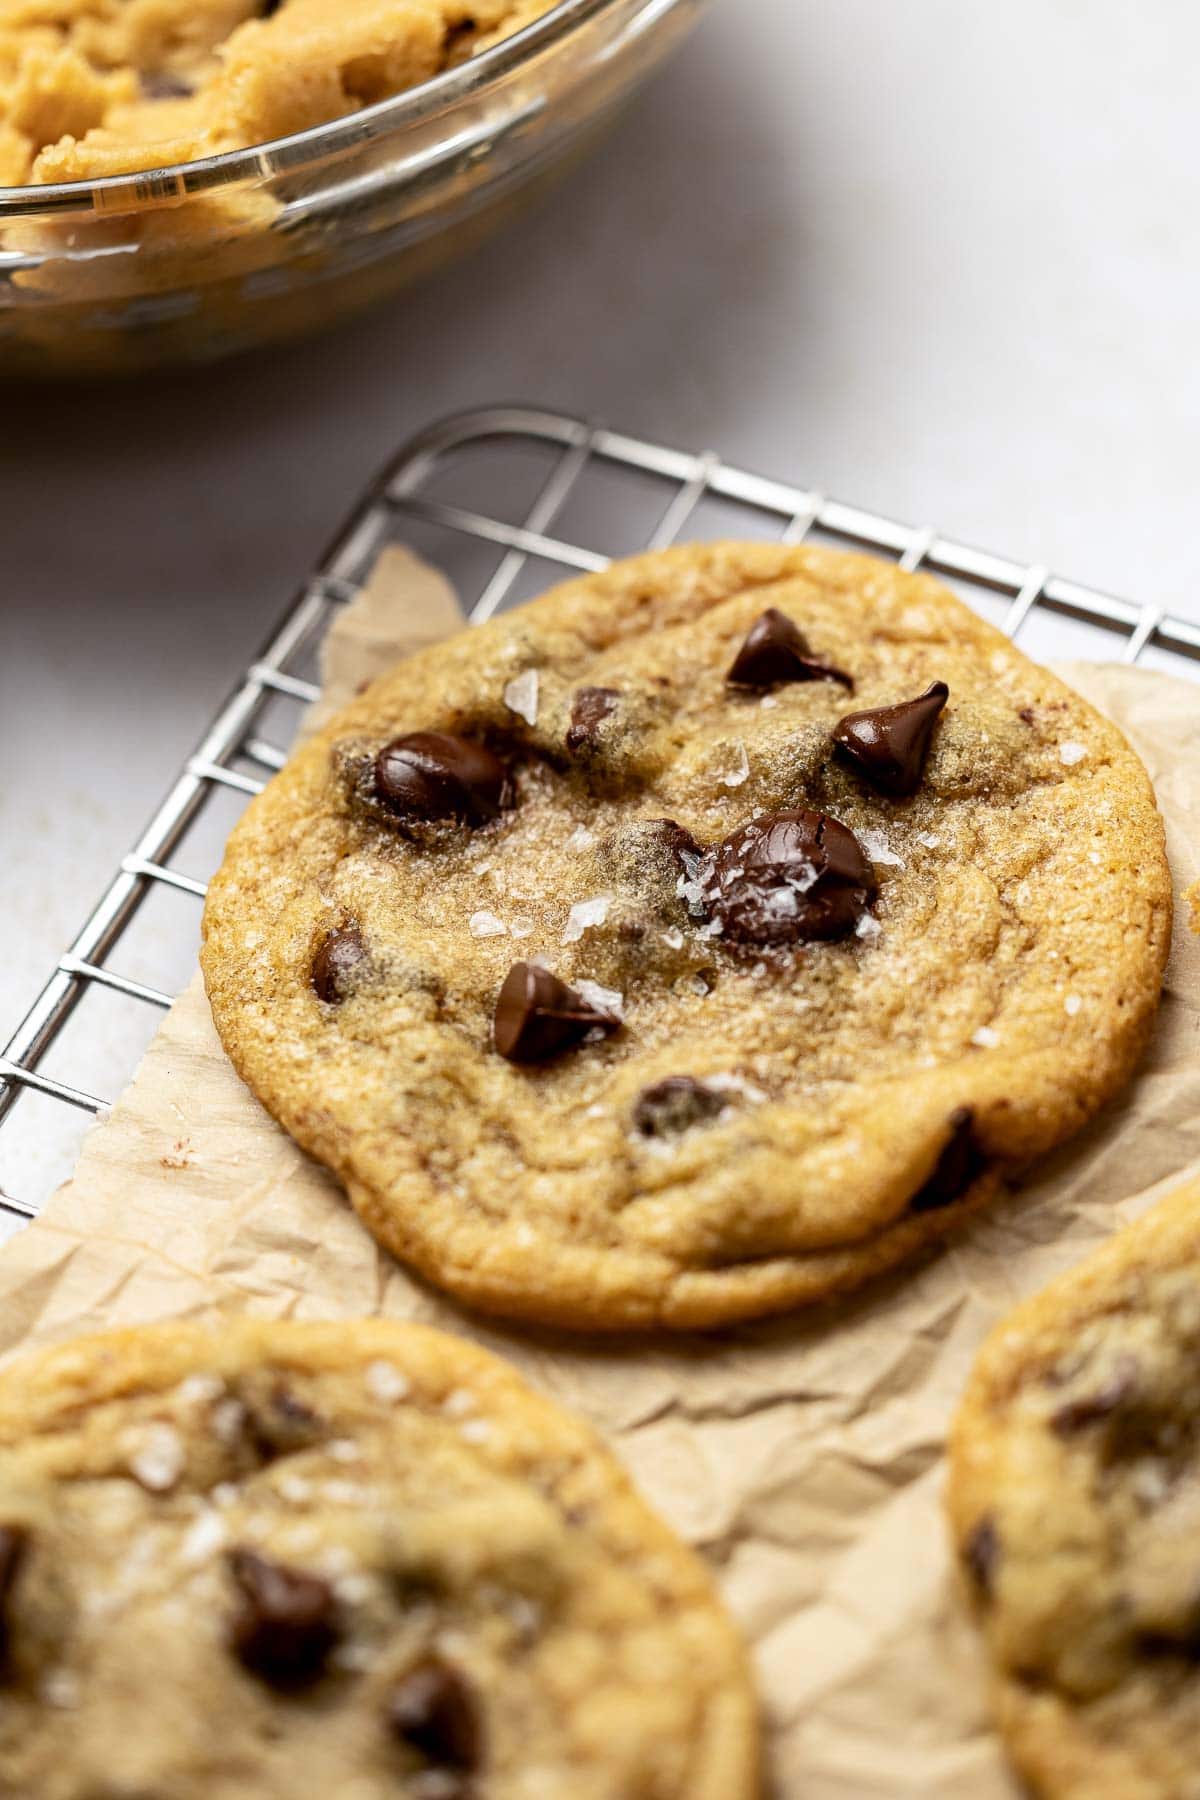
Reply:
x=352, y=1561
x=90, y=88
x=827, y=978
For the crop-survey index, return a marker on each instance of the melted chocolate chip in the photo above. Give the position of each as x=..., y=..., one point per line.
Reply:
x=956, y=1168
x=337, y=964
x=591, y=706
x=439, y=775
x=287, y=1624
x=433, y=1711
x=1089, y=1409
x=889, y=744
x=981, y=1553
x=784, y=878
x=538, y=1016
x=279, y=1425
x=14, y=1542
x=775, y=650
x=674, y=1105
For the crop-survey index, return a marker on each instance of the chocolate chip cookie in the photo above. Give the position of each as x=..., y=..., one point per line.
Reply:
x=1074, y=1496
x=361, y=1560
x=696, y=941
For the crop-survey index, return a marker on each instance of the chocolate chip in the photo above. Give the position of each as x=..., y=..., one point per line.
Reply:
x=889, y=744
x=439, y=775
x=786, y=877
x=981, y=1553
x=280, y=1424
x=14, y=1542
x=157, y=84
x=1089, y=1409
x=775, y=650
x=674, y=1105
x=433, y=1711
x=591, y=706
x=1027, y=715
x=337, y=964
x=958, y=1165
x=287, y=1624
x=538, y=1016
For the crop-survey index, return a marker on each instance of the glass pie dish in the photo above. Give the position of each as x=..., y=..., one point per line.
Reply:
x=206, y=258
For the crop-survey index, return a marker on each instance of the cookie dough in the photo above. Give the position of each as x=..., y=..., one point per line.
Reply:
x=356, y=1559
x=1074, y=1495
x=630, y=969
x=90, y=88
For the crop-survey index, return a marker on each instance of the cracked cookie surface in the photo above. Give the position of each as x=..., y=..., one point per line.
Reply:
x=90, y=88
x=360, y=1559
x=1074, y=1497
x=904, y=960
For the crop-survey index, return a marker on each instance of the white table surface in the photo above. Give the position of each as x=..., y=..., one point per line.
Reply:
x=941, y=260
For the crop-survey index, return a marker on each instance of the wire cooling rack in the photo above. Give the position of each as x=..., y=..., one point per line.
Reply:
x=504, y=500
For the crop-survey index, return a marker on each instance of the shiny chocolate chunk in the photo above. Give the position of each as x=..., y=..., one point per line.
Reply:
x=981, y=1553
x=675, y=1105
x=439, y=775
x=14, y=1542
x=287, y=1624
x=1102, y=1402
x=785, y=878
x=889, y=744
x=591, y=706
x=775, y=650
x=958, y=1165
x=433, y=1711
x=338, y=963
x=538, y=1016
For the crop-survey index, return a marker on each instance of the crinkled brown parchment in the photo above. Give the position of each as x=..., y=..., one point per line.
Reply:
x=802, y=1456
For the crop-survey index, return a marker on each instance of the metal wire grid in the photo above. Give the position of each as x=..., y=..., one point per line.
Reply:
x=234, y=757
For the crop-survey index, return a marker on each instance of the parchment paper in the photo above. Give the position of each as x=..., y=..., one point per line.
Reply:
x=801, y=1456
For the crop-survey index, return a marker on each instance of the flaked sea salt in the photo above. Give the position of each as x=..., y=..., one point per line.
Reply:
x=521, y=926
x=878, y=849
x=485, y=925
x=740, y=767
x=607, y=999
x=1071, y=752
x=673, y=938
x=475, y=1431
x=581, y=839
x=927, y=838
x=157, y=1462
x=201, y=1539
x=521, y=695
x=343, y=1450
x=868, y=926
x=294, y=1489
x=768, y=701
x=59, y=1688
x=985, y=1038
x=1071, y=1005
x=583, y=915
x=228, y=1418
x=198, y=1389
x=458, y=1402
x=385, y=1383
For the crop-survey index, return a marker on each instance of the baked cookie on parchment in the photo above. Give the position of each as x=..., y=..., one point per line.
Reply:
x=362, y=1560
x=696, y=941
x=1074, y=1496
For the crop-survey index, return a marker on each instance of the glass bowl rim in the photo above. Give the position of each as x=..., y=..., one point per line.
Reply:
x=177, y=181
